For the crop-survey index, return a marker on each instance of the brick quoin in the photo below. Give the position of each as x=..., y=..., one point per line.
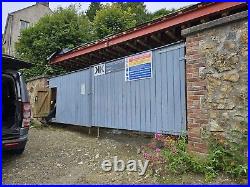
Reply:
x=196, y=89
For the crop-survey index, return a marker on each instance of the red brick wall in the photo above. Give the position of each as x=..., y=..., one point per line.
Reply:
x=197, y=117
x=216, y=79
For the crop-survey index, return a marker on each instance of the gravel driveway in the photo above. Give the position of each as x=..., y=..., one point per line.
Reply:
x=57, y=155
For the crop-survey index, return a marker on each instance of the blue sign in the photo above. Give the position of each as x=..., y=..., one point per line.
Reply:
x=138, y=66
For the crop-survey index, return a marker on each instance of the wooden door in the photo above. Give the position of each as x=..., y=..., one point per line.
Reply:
x=42, y=102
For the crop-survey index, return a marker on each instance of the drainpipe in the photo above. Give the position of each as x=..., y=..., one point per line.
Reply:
x=10, y=38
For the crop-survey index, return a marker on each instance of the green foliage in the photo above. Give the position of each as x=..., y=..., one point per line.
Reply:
x=179, y=160
x=138, y=10
x=112, y=19
x=68, y=27
x=160, y=13
x=224, y=156
x=92, y=9
x=65, y=28
x=228, y=155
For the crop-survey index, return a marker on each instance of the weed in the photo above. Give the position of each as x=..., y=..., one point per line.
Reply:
x=224, y=156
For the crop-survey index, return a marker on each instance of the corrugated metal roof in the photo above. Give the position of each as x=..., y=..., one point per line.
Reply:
x=184, y=15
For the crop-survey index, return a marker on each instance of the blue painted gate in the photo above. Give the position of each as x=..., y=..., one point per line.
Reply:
x=155, y=104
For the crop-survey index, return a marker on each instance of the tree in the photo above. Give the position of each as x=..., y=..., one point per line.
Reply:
x=112, y=19
x=160, y=13
x=92, y=9
x=138, y=10
x=65, y=28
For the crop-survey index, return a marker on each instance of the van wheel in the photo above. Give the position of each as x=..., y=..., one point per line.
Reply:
x=19, y=151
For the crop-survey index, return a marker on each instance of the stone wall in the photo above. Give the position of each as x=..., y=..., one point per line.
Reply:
x=32, y=86
x=217, y=78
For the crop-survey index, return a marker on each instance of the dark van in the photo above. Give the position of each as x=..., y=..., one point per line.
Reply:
x=16, y=110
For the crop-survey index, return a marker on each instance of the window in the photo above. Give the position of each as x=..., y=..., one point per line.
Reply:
x=24, y=25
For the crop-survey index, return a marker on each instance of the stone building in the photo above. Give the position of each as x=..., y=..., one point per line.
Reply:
x=19, y=20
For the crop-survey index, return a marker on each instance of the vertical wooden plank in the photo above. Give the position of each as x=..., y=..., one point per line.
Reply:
x=79, y=81
x=164, y=90
x=142, y=104
x=100, y=104
x=133, y=106
x=96, y=101
x=119, y=96
x=106, y=99
x=114, y=101
x=121, y=99
x=93, y=98
x=100, y=101
x=170, y=70
x=102, y=96
x=158, y=92
x=111, y=106
x=124, y=101
x=147, y=105
x=153, y=96
x=137, y=108
x=129, y=105
x=109, y=101
x=177, y=98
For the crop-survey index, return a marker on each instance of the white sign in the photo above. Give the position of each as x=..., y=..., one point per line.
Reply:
x=82, y=89
x=99, y=70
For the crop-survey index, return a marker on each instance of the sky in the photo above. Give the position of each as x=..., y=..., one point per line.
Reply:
x=8, y=7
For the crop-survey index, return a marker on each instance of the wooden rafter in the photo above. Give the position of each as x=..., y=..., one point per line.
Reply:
x=143, y=44
x=121, y=49
x=130, y=45
x=155, y=38
x=112, y=52
x=170, y=34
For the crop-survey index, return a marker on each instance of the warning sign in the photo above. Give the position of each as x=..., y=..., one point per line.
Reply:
x=138, y=66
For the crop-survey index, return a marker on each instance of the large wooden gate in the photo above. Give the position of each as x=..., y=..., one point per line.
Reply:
x=155, y=104
x=102, y=96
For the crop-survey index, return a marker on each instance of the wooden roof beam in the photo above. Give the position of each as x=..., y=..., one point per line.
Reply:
x=170, y=35
x=67, y=65
x=143, y=44
x=155, y=38
x=133, y=47
x=94, y=56
x=74, y=64
x=112, y=53
x=121, y=49
x=80, y=60
x=105, y=55
x=84, y=57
